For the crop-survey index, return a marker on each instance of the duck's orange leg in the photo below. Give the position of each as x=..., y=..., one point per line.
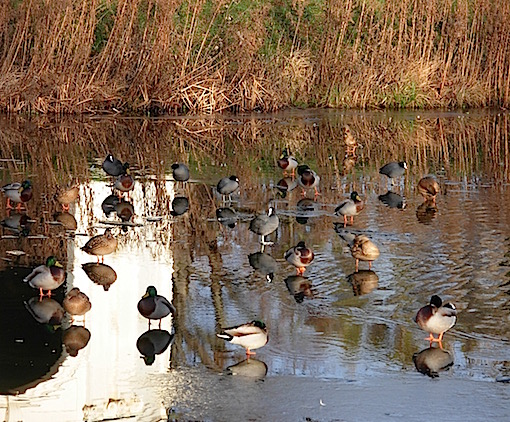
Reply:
x=345, y=221
x=250, y=353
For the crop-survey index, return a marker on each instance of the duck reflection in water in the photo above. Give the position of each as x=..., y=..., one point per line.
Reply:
x=432, y=360
x=100, y=274
x=264, y=263
x=363, y=282
x=75, y=338
x=392, y=200
x=249, y=368
x=299, y=287
x=67, y=220
x=227, y=217
x=286, y=185
x=180, y=205
x=152, y=343
x=109, y=203
x=17, y=224
x=426, y=212
x=45, y=310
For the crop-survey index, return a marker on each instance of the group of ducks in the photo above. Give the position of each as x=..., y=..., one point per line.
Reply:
x=435, y=318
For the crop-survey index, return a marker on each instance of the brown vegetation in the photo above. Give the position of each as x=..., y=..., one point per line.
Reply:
x=158, y=56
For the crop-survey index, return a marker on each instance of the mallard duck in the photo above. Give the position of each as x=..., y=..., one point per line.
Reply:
x=307, y=179
x=75, y=338
x=101, y=274
x=180, y=205
x=154, y=306
x=349, y=141
x=101, y=245
x=350, y=207
x=428, y=188
x=286, y=185
x=287, y=162
x=394, y=169
x=76, y=302
x=113, y=166
x=47, y=277
x=432, y=360
x=227, y=217
x=45, y=310
x=264, y=263
x=125, y=211
x=361, y=247
x=65, y=197
x=299, y=287
x=227, y=186
x=300, y=256
x=436, y=318
x=264, y=225
x=124, y=182
x=20, y=193
x=180, y=172
x=152, y=343
x=251, y=335
x=392, y=200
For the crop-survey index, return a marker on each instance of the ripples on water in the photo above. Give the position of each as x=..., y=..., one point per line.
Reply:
x=332, y=323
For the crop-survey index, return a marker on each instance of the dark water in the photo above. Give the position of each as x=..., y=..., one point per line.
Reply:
x=341, y=343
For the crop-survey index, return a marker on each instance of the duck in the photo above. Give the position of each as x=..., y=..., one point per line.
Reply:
x=392, y=200
x=49, y=276
x=75, y=338
x=66, y=197
x=152, y=343
x=300, y=256
x=349, y=141
x=227, y=186
x=154, y=306
x=350, y=207
x=227, y=217
x=264, y=225
x=20, y=193
x=180, y=172
x=361, y=247
x=308, y=179
x=124, y=182
x=428, y=188
x=287, y=162
x=180, y=205
x=286, y=185
x=45, y=310
x=76, y=302
x=393, y=170
x=252, y=335
x=101, y=245
x=264, y=263
x=113, y=166
x=100, y=274
x=436, y=318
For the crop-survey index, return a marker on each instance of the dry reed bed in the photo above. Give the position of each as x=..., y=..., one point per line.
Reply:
x=203, y=57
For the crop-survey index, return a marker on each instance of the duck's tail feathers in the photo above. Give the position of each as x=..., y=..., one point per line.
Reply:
x=225, y=336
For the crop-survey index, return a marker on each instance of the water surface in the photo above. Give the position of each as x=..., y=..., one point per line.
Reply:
x=341, y=343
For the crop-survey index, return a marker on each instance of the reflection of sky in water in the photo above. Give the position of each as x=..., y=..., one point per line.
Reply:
x=110, y=365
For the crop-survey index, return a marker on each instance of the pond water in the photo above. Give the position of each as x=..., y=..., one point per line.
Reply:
x=341, y=343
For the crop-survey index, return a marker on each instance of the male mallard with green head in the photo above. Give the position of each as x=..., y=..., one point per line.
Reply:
x=20, y=193
x=251, y=335
x=154, y=306
x=47, y=277
x=287, y=162
x=350, y=207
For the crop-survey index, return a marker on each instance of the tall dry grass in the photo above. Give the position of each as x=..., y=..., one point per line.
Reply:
x=159, y=56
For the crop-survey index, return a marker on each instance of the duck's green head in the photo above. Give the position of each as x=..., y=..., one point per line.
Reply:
x=51, y=261
x=355, y=197
x=149, y=360
x=259, y=324
x=26, y=184
x=151, y=292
